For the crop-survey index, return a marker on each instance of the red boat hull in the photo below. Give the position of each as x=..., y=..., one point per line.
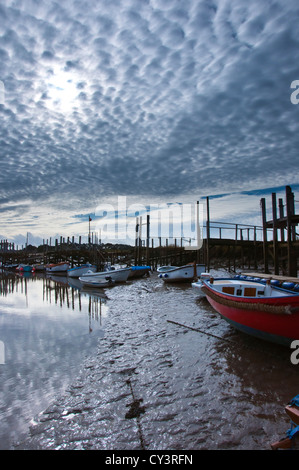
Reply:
x=293, y=412
x=279, y=328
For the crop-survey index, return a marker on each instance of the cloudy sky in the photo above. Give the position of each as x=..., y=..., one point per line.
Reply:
x=154, y=100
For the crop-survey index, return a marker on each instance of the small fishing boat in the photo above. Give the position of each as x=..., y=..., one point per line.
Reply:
x=293, y=412
x=291, y=441
x=39, y=267
x=199, y=284
x=117, y=275
x=186, y=273
x=78, y=271
x=98, y=283
x=138, y=271
x=24, y=268
x=57, y=268
x=10, y=267
x=256, y=308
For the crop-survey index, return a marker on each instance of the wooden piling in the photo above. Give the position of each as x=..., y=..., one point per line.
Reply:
x=275, y=252
x=208, y=236
x=265, y=244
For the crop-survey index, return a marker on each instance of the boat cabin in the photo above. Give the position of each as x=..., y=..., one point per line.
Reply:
x=245, y=288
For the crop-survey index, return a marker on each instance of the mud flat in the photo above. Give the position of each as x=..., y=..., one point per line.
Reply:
x=170, y=374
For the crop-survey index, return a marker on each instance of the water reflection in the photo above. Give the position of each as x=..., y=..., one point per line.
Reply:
x=47, y=327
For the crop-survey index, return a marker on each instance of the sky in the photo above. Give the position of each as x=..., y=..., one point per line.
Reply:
x=155, y=101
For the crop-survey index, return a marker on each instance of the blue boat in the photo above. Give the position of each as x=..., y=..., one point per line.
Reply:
x=138, y=271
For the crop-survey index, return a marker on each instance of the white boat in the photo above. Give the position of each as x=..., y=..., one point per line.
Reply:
x=39, y=267
x=180, y=273
x=78, y=271
x=97, y=282
x=117, y=275
x=57, y=268
x=199, y=284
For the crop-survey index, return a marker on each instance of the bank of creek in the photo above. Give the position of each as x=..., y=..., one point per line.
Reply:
x=169, y=374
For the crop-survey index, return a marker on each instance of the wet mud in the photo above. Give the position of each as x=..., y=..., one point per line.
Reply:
x=171, y=374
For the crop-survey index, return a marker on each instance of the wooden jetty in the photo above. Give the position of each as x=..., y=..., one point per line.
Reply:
x=273, y=246
x=287, y=222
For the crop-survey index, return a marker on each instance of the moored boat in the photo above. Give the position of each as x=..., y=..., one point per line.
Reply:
x=291, y=441
x=199, y=284
x=138, y=271
x=186, y=273
x=24, y=268
x=293, y=412
x=253, y=307
x=98, y=283
x=57, y=268
x=39, y=267
x=117, y=275
x=10, y=267
x=78, y=271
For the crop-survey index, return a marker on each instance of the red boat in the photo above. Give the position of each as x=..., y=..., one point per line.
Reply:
x=293, y=412
x=262, y=310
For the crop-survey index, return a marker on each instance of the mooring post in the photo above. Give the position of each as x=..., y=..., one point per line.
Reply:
x=147, y=238
x=235, y=245
x=292, y=261
x=136, y=240
x=275, y=247
x=281, y=215
x=208, y=236
x=263, y=205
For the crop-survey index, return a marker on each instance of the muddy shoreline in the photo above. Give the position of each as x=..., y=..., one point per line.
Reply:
x=156, y=385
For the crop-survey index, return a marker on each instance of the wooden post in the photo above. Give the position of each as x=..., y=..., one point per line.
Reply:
x=292, y=262
x=198, y=236
x=235, y=246
x=208, y=236
x=263, y=205
x=166, y=259
x=136, y=240
x=281, y=215
x=160, y=250
x=147, y=238
x=140, y=241
x=255, y=253
x=274, y=214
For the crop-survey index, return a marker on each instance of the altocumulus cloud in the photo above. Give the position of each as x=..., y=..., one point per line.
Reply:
x=148, y=98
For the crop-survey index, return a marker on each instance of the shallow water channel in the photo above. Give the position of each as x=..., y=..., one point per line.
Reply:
x=47, y=329
x=144, y=365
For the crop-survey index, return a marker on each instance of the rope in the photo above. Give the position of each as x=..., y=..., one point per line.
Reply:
x=235, y=343
x=203, y=332
x=262, y=307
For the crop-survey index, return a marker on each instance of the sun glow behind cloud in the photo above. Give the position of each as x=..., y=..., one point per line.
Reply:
x=62, y=91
